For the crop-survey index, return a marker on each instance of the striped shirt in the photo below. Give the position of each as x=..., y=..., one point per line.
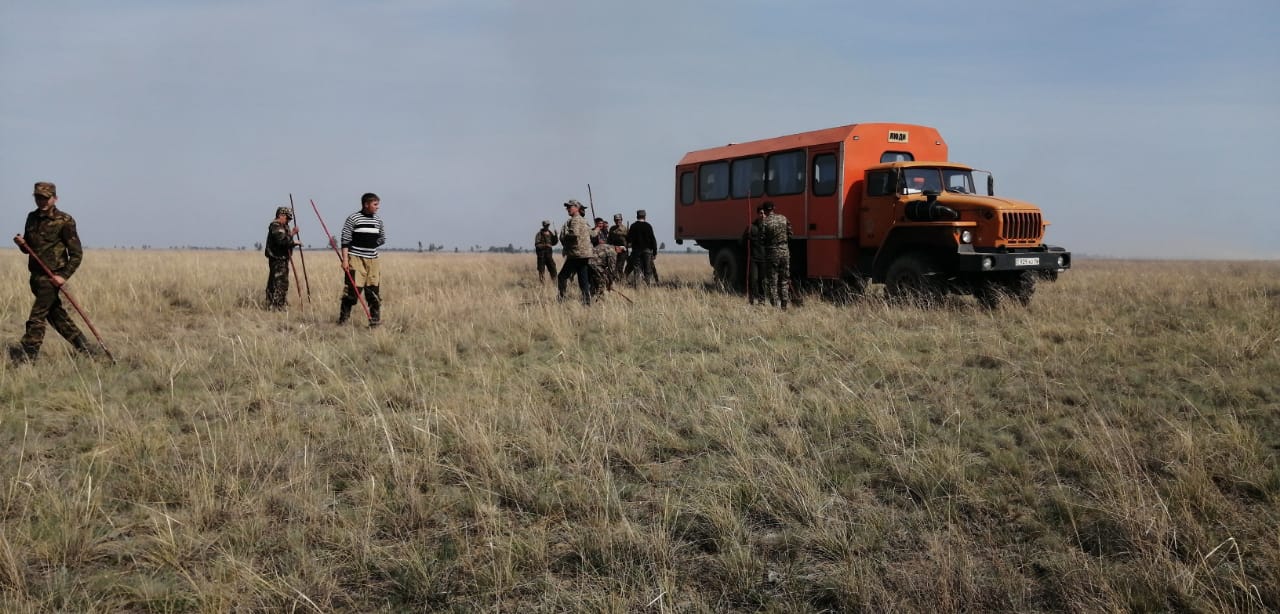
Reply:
x=362, y=234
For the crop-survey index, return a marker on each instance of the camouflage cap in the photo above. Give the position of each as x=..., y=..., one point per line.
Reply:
x=45, y=189
x=617, y=217
x=285, y=211
x=573, y=203
x=546, y=222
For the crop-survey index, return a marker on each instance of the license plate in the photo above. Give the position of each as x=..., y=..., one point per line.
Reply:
x=1026, y=262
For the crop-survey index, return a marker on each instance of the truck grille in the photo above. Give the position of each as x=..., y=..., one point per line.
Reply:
x=1022, y=227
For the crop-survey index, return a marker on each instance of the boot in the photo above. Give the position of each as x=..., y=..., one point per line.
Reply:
x=372, y=297
x=82, y=345
x=20, y=353
x=344, y=312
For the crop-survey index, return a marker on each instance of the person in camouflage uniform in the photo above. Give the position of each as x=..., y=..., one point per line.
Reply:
x=542, y=244
x=279, y=248
x=52, y=237
x=777, y=249
x=575, y=241
x=753, y=237
x=618, y=239
x=602, y=259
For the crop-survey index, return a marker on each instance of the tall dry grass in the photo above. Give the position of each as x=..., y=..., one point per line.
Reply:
x=1111, y=448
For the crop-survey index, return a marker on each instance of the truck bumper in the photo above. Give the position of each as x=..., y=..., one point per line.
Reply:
x=1048, y=259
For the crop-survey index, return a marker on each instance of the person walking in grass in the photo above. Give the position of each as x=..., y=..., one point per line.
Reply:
x=543, y=242
x=575, y=241
x=279, y=247
x=362, y=235
x=51, y=235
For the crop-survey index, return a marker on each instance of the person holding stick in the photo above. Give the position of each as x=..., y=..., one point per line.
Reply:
x=279, y=252
x=53, y=250
x=362, y=234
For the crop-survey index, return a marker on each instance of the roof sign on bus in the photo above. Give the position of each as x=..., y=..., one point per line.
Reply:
x=897, y=136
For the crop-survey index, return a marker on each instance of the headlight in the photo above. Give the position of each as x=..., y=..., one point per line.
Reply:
x=987, y=263
x=966, y=237
x=1061, y=261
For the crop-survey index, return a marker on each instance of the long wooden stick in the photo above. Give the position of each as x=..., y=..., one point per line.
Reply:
x=334, y=244
x=302, y=256
x=30, y=252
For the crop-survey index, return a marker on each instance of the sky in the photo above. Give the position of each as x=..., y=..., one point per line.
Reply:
x=1142, y=128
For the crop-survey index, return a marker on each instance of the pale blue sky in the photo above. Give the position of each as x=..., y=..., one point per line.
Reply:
x=1142, y=128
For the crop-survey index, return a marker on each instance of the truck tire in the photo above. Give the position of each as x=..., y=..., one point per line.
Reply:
x=912, y=279
x=1018, y=285
x=727, y=265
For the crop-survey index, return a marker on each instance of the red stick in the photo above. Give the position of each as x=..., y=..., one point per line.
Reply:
x=334, y=244
x=27, y=249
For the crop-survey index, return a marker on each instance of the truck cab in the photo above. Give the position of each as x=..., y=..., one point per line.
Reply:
x=936, y=227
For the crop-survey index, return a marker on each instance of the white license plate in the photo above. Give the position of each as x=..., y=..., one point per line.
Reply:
x=1026, y=262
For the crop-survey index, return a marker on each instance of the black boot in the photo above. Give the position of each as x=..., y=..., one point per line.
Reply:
x=22, y=353
x=374, y=299
x=344, y=312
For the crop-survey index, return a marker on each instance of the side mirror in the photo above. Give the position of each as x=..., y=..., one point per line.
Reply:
x=991, y=185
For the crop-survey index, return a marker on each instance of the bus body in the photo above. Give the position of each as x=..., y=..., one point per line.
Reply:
x=867, y=202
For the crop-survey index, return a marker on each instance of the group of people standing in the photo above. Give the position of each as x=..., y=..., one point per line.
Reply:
x=362, y=234
x=598, y=255
x=768, y=242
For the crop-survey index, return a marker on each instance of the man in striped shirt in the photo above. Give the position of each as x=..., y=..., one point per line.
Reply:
x=362, y=234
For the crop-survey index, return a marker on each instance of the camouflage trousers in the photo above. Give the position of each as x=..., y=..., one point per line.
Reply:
x=620, y=266
x=277, y=283
x=777, y=279
x=546, y=262
x=48, y=308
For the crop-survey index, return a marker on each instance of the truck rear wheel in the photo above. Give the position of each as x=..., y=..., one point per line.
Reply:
x=727, y=265
x=912, y=279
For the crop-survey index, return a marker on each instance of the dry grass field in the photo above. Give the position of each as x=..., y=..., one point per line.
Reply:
x=1113, y=447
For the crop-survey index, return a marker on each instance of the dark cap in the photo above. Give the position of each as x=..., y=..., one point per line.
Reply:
x=599, y=220
x=640, y=213
x=45, y=189
x=767, y=206
x=546, y=222
x=285, y=211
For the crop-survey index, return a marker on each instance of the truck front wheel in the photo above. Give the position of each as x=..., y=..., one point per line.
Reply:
x=912, y=279
x=1019, y=286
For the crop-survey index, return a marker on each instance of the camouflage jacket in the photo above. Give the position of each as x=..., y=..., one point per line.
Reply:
x=279, y=241
x=776, y=233
x=618, y=235
x=575, y=238
x=53, y=238
x=545, y=239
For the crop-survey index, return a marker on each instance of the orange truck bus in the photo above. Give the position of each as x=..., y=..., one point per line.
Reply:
x=874, y=202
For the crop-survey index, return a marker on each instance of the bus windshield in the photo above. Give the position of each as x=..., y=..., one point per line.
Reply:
x=954, y=180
